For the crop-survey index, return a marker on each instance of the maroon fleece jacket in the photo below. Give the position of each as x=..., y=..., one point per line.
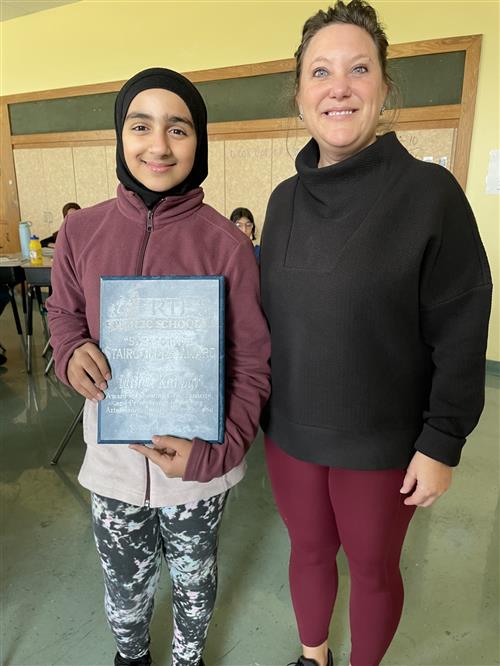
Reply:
x=182, y=236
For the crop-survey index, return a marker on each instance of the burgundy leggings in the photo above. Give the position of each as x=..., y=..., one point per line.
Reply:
x=324, y=508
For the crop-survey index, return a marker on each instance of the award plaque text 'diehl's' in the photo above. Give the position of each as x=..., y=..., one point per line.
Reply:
x=163, y=338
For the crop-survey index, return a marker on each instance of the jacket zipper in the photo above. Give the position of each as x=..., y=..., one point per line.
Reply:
x=142, y=252
x=149, y=229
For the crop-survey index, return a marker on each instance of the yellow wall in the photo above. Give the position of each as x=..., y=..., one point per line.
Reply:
x=90, y=42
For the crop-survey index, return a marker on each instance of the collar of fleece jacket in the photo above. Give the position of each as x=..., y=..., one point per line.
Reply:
x=168, y=209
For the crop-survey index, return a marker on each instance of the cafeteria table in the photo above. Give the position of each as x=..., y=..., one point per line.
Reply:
x=12, y=274
x=15, y=270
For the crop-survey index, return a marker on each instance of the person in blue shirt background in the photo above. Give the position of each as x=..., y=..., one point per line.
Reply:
x=243, y=219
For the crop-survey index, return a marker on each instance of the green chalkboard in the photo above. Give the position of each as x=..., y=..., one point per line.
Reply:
x=424, y=80
x=249, y=98
x=67, y=114
x=429, y=80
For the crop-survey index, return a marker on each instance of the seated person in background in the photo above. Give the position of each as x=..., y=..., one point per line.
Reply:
x=68, y=208
x=243, y=219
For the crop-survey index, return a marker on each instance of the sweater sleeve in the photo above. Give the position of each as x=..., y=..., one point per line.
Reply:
x=247, y=371
x=455, y=300
x=66, y=307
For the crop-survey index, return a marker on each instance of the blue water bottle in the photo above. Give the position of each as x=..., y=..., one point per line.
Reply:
x=24, y=237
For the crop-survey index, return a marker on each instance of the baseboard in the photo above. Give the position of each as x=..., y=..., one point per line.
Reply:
x=493, y=367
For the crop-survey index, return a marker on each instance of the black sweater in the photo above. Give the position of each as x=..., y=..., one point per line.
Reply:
x=377, y=291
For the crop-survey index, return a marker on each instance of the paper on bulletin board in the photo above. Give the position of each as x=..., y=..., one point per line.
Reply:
x=431, y=145
x=493, y=176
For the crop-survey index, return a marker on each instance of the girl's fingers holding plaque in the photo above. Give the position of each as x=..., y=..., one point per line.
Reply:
x=169, y=453
x=88, y=371
x=161, y=457
x=179, y=445
x=100, y=362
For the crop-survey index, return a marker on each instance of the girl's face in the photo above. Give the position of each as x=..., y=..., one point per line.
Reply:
x=159, y=141
x=341, y=91
x=245, y=226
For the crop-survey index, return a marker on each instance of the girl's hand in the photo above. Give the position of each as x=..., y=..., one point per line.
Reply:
x=169, y=453
x=88, y=371
x=428, y=478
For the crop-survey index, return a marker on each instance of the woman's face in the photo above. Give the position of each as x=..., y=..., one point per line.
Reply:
x=245, y=226
x=159, y=141
x=341, y=91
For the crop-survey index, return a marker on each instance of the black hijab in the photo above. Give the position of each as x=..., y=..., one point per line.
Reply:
x=158, y=77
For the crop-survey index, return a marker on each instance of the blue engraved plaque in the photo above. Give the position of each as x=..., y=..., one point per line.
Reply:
x=163, y=338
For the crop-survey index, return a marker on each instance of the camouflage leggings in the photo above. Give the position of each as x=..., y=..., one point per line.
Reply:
x=130, y=540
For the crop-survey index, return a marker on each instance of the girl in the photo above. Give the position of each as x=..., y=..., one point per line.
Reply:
x=158, y=225
x=243, y=219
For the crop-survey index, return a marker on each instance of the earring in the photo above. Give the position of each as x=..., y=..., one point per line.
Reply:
x=382, y=109
x=301, y=117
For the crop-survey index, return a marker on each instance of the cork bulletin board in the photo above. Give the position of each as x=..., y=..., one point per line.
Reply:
x=431, y=145
x=242, y=172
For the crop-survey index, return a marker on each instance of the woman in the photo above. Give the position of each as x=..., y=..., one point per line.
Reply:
x=243, y=219
x=377, y=292
x=158, y=225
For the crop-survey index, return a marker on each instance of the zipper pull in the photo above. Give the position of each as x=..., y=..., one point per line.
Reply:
x=149, y=221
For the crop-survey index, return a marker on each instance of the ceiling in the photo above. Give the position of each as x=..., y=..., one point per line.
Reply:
x=10, y=9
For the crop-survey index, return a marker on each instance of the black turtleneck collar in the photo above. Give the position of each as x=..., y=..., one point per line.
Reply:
x=334, y=185
x=331, y=203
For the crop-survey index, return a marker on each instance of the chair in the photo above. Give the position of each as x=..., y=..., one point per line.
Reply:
x=10, y=276
x=67, y=436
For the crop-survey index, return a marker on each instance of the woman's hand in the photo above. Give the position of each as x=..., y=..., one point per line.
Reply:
x=88, y=371
x=169, y=453
x=428, y=478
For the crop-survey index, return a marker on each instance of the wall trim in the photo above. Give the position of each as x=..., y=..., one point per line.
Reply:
x=424, y=117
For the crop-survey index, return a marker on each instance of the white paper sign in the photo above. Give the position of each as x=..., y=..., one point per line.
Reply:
x=493, y=177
